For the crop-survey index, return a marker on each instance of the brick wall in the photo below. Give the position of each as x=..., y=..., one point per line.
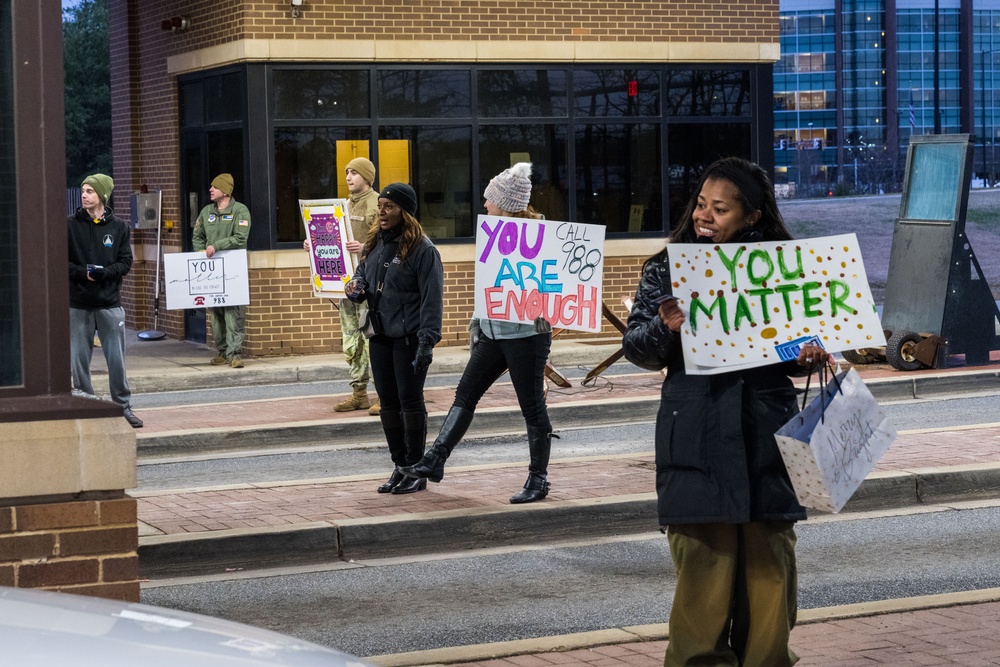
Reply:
x=215, y=23
x=285, y=318
x=82, y=546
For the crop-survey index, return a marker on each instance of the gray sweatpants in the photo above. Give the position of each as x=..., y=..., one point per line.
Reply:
x=110, y=326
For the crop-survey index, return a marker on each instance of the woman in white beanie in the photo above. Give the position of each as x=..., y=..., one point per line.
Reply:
x=499, y=346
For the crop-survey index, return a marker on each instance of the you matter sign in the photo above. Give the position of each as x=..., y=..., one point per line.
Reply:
x=195, y=281
x=752, y=304
x=531, y=268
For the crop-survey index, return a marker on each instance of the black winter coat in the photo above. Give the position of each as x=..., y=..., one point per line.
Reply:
x=105, y=243
x=716, y=457
x=412, y=294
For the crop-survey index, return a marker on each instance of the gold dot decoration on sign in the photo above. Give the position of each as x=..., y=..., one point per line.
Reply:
x=769, y=333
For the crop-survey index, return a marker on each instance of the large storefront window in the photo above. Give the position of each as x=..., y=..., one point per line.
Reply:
x=616, y=92
x=436, y=161
x=618, y=177
x=423, y=93
x=10, y=302
x=321, y=94
x=522, y=93
x=309, y=163
x=542, y=145
x=694, y=147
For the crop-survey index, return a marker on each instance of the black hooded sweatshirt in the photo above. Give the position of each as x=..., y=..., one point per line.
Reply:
x=104, y=242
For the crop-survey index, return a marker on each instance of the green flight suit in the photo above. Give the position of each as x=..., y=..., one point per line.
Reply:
x=224, y=229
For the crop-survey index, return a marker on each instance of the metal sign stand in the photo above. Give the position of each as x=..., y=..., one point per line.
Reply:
x=154, y=333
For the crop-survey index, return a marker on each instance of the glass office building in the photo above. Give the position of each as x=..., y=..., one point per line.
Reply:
x=857, y=77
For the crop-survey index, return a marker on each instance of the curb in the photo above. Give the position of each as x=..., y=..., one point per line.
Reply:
x=504, y=419
x=355, y=430
x=456, y=530
x=659, y=631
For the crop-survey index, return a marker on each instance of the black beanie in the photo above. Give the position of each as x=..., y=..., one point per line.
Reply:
x=403, y=195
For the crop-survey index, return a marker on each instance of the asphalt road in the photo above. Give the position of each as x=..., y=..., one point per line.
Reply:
x=393, y=606
x=320, y=461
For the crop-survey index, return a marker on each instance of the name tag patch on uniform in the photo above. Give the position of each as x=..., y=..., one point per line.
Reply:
x=243, y=223
x=228, y=217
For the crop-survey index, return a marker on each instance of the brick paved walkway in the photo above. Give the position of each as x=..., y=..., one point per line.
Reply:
x=967, y=635
x=272, y=504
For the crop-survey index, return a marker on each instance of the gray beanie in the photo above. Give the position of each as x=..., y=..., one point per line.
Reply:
x=510, y=190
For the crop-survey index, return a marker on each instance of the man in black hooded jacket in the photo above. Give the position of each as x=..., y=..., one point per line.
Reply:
x=100, y=255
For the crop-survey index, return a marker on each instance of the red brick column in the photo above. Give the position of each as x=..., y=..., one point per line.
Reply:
x=87, y=547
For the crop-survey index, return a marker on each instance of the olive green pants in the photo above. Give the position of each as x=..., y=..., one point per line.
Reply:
x=227, y=329
x=736, y=597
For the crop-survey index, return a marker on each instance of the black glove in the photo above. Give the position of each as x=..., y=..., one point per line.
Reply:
x=98, y=273
x=425, y=355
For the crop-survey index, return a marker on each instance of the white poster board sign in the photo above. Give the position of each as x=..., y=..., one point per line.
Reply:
x=753, y=304
x=328, y=229
x=530, y=268
x=196, y=281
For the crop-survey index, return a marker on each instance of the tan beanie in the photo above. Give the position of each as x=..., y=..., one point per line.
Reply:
x=363, y=166
x=224, y=183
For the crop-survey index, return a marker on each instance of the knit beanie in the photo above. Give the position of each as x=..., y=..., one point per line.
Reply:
x=224, y=183
x=510, y=190
x=102, y=184
x=363, y=166
x=403, y=195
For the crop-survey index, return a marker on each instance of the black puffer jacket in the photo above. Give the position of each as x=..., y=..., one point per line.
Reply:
x=412, y=296
x=107, y=243
x=716, y=457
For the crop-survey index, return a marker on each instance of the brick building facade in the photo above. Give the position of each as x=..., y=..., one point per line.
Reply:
x=210, y=95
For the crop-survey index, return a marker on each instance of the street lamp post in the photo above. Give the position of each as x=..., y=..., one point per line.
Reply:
x=982, y=82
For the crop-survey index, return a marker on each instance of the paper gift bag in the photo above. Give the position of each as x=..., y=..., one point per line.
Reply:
x=831, y=446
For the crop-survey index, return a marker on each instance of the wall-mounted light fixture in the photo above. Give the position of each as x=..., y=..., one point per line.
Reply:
x=296, y=12
x=176, y=24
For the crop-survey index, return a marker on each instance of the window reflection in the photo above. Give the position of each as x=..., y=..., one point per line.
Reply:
x=305, y=162
x=542, y=145
x=691, y=149
x=440, y=171
x=413, y=93
x=618, y=177
x=708, y=93
x=224, y=98
x=321, y=94
x=616, y=92
x=522, y=93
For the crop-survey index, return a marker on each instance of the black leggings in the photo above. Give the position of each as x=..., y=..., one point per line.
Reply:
x=400, y=388
x=525, y=359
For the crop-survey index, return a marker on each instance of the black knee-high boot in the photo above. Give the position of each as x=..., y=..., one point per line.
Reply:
x=431, y=466
x=392, y=426
x=539, y=446
x=415, y=435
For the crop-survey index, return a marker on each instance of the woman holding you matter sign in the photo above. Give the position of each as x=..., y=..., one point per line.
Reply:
x=724, y=496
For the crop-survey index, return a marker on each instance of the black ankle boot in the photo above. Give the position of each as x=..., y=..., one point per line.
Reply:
x=390, y=485
x=431, y=466
x=539, y=445
x=410, y=485
x=535, y=488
